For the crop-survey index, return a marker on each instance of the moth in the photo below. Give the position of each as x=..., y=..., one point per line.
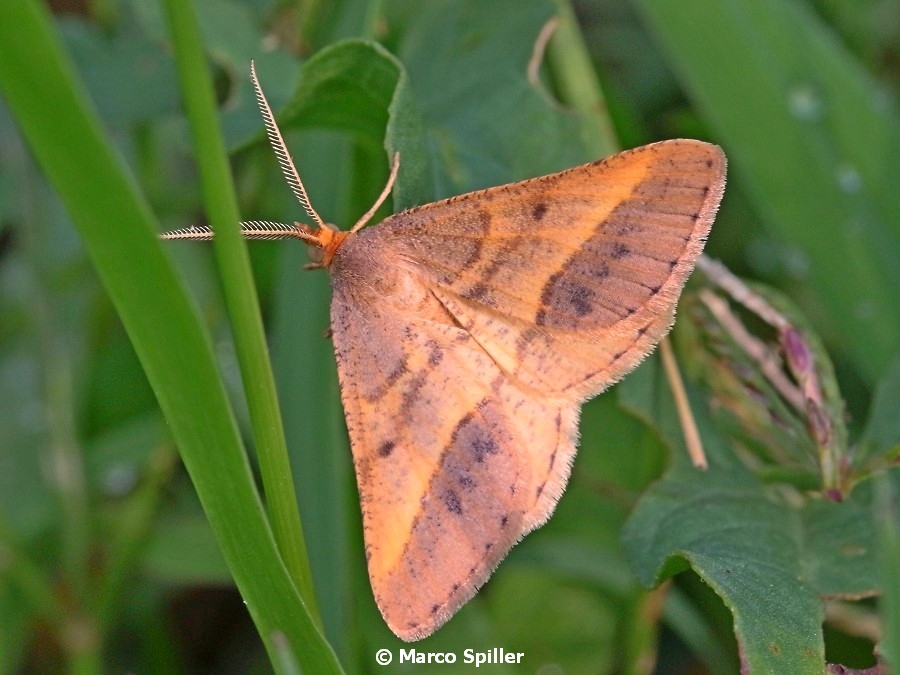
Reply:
x=468, y=333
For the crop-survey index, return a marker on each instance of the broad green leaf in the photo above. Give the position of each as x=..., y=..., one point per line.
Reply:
x=487, y=124
x=771, y=557
x=357, y=86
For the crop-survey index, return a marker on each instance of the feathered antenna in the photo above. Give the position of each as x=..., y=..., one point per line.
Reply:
x=323, y=236
x=251, y=229
x=395, y=167
x=281, y=152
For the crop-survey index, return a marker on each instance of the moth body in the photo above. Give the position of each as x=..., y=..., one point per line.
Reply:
x=467, y=334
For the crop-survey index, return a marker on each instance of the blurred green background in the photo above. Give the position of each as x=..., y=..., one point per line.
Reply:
x=107, y=557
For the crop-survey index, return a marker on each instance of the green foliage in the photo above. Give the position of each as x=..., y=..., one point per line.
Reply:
x=114, y=349
x=772, y=558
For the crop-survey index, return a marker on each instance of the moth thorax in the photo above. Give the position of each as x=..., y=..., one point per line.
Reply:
x=366, y=268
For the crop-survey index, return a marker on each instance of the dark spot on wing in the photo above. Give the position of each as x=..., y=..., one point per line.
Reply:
x=452, y=502
x=580, y=298
x=396, y=373
x=619, y=251
x=474, y=436
x=601, y=271
x=435, y=353
x=478, y=292
x=482, y=446
x=411, y=393
x=466, y=481
x=564, y=294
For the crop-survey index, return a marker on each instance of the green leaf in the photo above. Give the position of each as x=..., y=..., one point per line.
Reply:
x=882, y=433
x=487, y=124
x=357, y=86
x=887, y=518
x=772, y=558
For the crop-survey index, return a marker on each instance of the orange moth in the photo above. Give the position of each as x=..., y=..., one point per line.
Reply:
x=468, y=333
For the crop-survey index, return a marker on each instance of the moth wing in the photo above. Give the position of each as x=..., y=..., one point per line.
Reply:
x=569, y=280
x=454, y=462
x=466, y=334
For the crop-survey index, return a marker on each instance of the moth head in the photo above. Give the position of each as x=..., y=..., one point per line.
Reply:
x=322, y=239
x=327, y=240
x=322, y=242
